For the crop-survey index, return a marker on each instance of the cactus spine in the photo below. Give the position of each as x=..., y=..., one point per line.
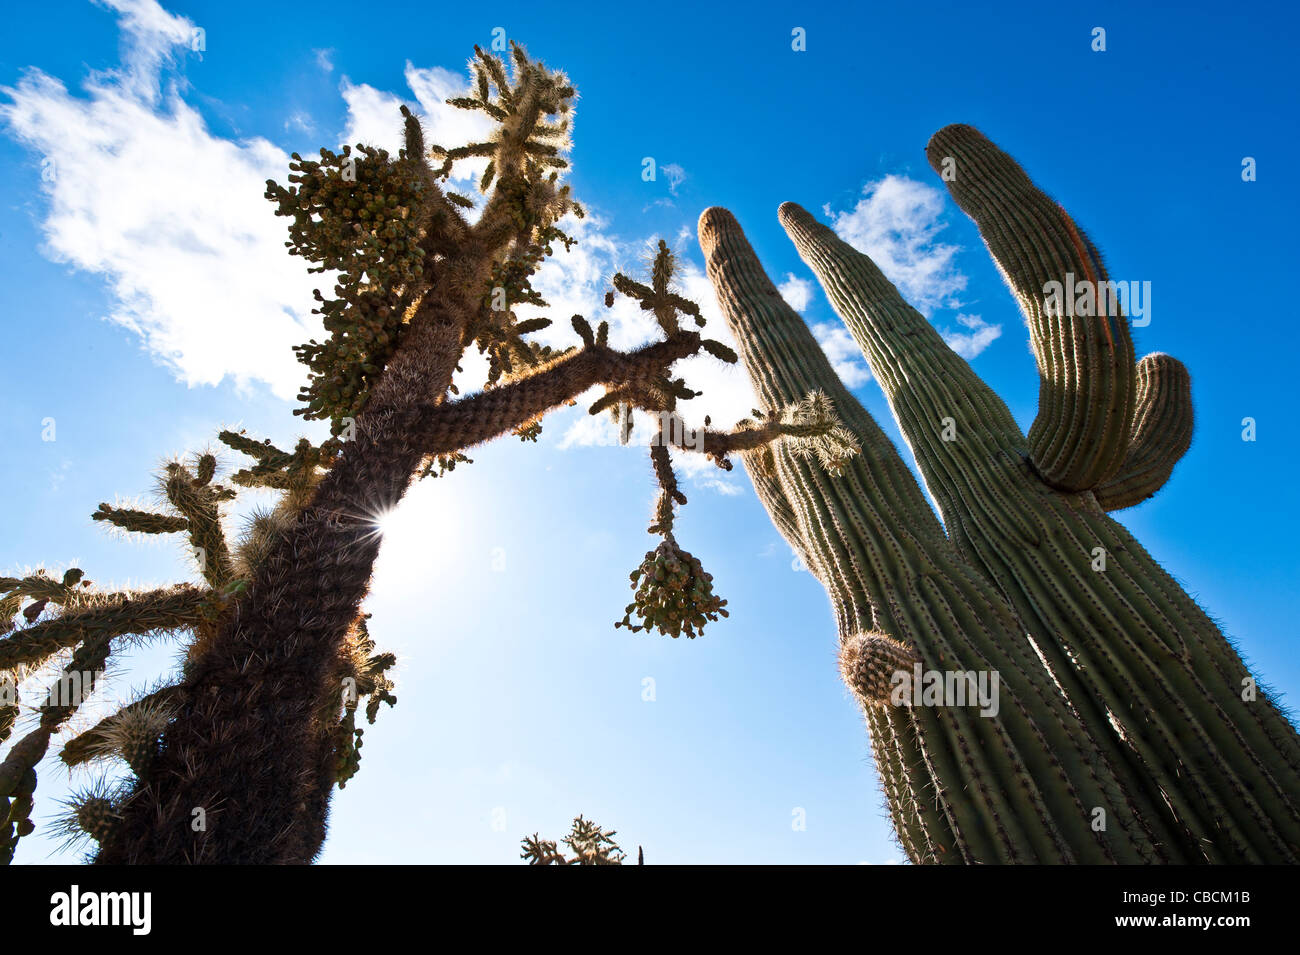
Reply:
x=1211, y=774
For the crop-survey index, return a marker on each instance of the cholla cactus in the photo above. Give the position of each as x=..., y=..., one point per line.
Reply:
x=589, y=843
x=73, y=615
x=256, y=731
x=1166, y=742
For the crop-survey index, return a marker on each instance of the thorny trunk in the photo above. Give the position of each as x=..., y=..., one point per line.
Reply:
x=251, y=749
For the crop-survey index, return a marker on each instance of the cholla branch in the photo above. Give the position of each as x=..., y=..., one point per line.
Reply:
x=105, y=617
x=589, y=843
x=810, y=429
x=439, y=429
x=127, y=731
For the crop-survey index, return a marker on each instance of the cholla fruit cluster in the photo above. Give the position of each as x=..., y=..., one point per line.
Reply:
x=364, y=216
x=674, y=594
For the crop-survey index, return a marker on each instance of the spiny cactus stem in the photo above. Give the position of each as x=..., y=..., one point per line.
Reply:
x=1125, y=643
x=1085, y=362
x=89, y=657
x=916, y=828
x=947, y=736
x=785, y=363
x=973, y=475
x=462, y=424
x=1017, y=787
x=110, y=616
x=23, y=755
x=199, y=504
x=1162, y=432
x=924, y=381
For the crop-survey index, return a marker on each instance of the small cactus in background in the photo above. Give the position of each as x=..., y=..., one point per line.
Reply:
x=589, y=843
x=1161, y=742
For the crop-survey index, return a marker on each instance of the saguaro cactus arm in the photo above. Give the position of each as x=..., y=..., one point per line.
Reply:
x=1085, y=361
x=772, y=330
x=1162, y=433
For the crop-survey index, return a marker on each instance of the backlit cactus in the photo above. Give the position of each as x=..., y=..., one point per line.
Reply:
x=589, y=843
x=1176, y=745
x=261, y=724
x=73, y=615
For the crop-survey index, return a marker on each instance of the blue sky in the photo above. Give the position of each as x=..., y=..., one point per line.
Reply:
x=150, y=303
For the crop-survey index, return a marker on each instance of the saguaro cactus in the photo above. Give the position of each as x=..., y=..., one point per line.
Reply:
x=1021, y=786
x=1202, y=757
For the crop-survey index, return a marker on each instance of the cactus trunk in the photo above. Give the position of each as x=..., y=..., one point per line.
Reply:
x=252, y=751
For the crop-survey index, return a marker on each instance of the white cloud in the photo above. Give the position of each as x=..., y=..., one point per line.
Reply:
x=173, y=217
x=325, y=59
x=897, y=223
x=797, y=292
x=969, y=344
x=151, y=38
x=373, y=117
x=675, y=174
x=846, y=358
x=719, y=481
x=299, y=122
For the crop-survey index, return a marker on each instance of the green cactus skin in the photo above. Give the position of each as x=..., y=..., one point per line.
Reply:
x=1020, y=787
x=1213, y=776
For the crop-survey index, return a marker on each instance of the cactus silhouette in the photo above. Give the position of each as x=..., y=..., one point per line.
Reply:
x=589, y=843
x=236, y=760
x=1126, y=705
